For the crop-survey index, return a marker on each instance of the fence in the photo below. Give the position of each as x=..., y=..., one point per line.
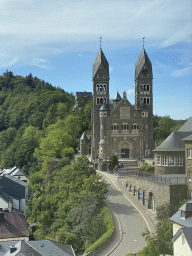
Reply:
x=155, y=178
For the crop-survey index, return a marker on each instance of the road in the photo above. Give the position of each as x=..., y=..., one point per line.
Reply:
x=129, y=223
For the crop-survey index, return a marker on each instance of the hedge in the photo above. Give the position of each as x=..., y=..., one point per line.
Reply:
x=108, y=220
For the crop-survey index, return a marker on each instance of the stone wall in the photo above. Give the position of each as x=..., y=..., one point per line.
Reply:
x=151, y=195
x=188, y=168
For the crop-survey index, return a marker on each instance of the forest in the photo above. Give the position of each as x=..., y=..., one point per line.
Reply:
x=39, y=133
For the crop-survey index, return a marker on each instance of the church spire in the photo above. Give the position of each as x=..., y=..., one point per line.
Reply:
x=141, y=62
x=100, y=62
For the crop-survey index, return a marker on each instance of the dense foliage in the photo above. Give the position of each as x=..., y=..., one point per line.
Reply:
x=28, y=107
x=164, y=126
x=68, y=203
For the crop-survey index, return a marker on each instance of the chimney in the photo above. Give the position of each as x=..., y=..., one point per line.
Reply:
x=12, y=248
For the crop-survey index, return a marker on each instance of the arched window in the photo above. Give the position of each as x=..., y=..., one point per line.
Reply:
x=97, y=100
x=115, y=127
x=125, y=126
x=105, y=100
x=135, y=127
x=141, y=87
x=148, y=87
x=97, y=87
x=104, y=87
x=144, y=87
x=101, y=100
x=101, y=87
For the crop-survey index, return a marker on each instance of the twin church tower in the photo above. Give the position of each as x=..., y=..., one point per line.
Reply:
x=118, y=127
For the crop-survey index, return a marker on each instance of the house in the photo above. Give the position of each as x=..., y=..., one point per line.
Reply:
x=17, y=173
x=170, y=154
x=16, y=189
x=13, y=226
x=83, y=94
x=182, y=230
x=6, y=202
x=188, y=163
x=124, y=130
x=35, y=248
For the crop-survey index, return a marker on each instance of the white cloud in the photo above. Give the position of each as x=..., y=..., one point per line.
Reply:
x=49, y=27
x=182, y=72
x=4, y=63
x=130, y=91
x=38, y=63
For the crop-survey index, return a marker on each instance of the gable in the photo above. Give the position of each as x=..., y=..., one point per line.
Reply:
x=125, y=111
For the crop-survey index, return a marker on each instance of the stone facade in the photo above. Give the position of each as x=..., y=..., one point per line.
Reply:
x=124, y=130
x=188, y=164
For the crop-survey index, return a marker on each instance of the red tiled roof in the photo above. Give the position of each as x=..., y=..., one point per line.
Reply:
x=13, y=225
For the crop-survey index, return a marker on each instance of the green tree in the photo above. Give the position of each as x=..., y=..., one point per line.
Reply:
x=114, y=161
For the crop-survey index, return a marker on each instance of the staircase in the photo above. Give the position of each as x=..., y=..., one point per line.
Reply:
x=128, y=165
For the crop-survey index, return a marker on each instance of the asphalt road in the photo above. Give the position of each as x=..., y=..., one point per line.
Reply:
x=129, y=224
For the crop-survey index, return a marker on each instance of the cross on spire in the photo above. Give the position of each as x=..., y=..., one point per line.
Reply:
x=143, y=41
x=100, y=41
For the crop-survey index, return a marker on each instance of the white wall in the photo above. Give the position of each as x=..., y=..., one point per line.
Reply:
x=22, y=205
x=3, y=204
x=16, y=204
x=179, y=249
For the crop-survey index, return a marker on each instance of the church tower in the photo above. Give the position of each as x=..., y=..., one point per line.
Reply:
x=100, y=95
x=144, y=99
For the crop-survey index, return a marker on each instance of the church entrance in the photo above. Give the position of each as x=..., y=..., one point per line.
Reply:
x=125, y=153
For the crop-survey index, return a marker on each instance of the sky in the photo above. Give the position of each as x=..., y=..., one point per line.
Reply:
x=58, y=40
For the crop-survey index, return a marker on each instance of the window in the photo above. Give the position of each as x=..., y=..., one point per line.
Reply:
x=97, y=100
x=97, y=87
x=171, y=160
x=101, y=100
x=114, y=127
x=101, y=114
x=101, y=88
x=144, y=87
x=180, y=161
x=141, y=87
x=141, y=100
x=125, y=126
x=158, y=160
x=189, y=175
x=105, y=114
x=147, y=100
x=143, y=114
x=182, y=214
x=164, y=160
x=104, y=87
x=189, y=153
x=105, y=100
x=135, y=127
x=148, y=86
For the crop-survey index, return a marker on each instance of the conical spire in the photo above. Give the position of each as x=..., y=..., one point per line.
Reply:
x=84, y=137
x=100, y=60
x=143, y=60
x=117, y=96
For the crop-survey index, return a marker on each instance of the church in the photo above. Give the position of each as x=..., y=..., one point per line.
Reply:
x=118, y=127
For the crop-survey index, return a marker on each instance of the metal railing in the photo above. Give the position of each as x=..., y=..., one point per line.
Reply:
x=154, y=178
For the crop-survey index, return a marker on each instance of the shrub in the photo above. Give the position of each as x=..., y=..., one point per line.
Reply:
x=108, y=220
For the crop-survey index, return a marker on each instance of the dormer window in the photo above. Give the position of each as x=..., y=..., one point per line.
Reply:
x=182, y=214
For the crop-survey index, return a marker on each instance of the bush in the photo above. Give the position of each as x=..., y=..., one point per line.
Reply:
x=146, y=167
x=108, y=220
x=114, y=161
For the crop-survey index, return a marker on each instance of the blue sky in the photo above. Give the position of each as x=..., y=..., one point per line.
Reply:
x=57, y=41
